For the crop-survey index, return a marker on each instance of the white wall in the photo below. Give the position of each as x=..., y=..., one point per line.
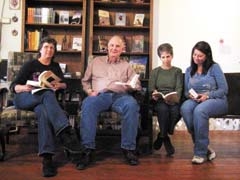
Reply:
x=184, y=22
x=8, y=41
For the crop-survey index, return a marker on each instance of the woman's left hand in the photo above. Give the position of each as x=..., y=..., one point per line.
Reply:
x=202, y=97
x=58, y=85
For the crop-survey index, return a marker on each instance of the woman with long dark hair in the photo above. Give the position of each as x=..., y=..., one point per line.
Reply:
x=205, y=88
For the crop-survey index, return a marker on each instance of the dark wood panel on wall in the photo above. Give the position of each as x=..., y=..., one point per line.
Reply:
x=233, y=80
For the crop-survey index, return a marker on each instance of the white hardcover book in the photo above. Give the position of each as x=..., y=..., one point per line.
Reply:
x=193, y=93
x=138, y=19
x=77, y=43
x=120, y=19
x=64, y=17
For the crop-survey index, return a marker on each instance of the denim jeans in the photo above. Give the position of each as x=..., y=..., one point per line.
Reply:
x=124, y=104
x=51, y=118
x=196, y=117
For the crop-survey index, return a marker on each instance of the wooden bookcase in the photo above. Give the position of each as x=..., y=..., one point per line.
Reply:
x=64, y=29
x=97, y=30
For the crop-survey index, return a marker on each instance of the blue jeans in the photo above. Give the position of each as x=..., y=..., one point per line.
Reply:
x=196, y=117
x=51, y=118
x=124, y=104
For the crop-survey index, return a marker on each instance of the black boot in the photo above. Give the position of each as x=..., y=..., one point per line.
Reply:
x=130, y=157
x=70, y=141
x=48, y=168
x=158, y=142
x=87, y=157
x=168, y=146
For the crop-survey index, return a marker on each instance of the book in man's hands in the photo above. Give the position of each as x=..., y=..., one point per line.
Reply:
x=44, y=81
x=171, y=97
x=132, y=83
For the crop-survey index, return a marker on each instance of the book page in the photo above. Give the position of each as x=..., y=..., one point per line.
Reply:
x=40, y=89
x=132, y=83
x=158, y=94
x=46, y=77
x=171, y=97
x=33, y=83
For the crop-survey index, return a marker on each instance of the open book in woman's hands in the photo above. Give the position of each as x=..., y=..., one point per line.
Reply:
x=171, y=97
x=44, y=81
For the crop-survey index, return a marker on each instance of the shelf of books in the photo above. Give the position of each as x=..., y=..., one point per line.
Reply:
x=63, y=20
x=132, y=20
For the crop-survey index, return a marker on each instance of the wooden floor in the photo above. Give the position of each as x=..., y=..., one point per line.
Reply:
x=22, y=162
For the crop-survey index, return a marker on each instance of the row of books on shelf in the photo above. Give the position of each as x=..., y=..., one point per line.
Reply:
x=51, y=16
x=64, y=41
x=121, y=18
x=134, y=43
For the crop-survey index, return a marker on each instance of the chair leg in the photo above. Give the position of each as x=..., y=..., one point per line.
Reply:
x=2, y=145
x=7, y=137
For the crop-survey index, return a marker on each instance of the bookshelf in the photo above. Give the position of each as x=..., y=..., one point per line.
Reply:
x=63, y=20
x=128, y=11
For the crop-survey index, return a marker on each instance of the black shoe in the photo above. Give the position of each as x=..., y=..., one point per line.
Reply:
x=86, y=159
x=70, y=141
x=48, y=169
x=158, y=142
x=130, y=157
x=1, y=156
x=168, y=146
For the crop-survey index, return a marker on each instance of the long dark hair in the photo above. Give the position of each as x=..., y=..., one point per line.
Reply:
x=49, y=40
x=205, y=48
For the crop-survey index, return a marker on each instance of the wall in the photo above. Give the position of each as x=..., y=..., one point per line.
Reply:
x=183, y=23
x=8, y=41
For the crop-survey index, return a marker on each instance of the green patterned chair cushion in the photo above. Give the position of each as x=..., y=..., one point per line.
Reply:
x=109, y=120
x=11, y=117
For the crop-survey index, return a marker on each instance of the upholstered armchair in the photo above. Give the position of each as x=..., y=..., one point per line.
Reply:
x=12, y=119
